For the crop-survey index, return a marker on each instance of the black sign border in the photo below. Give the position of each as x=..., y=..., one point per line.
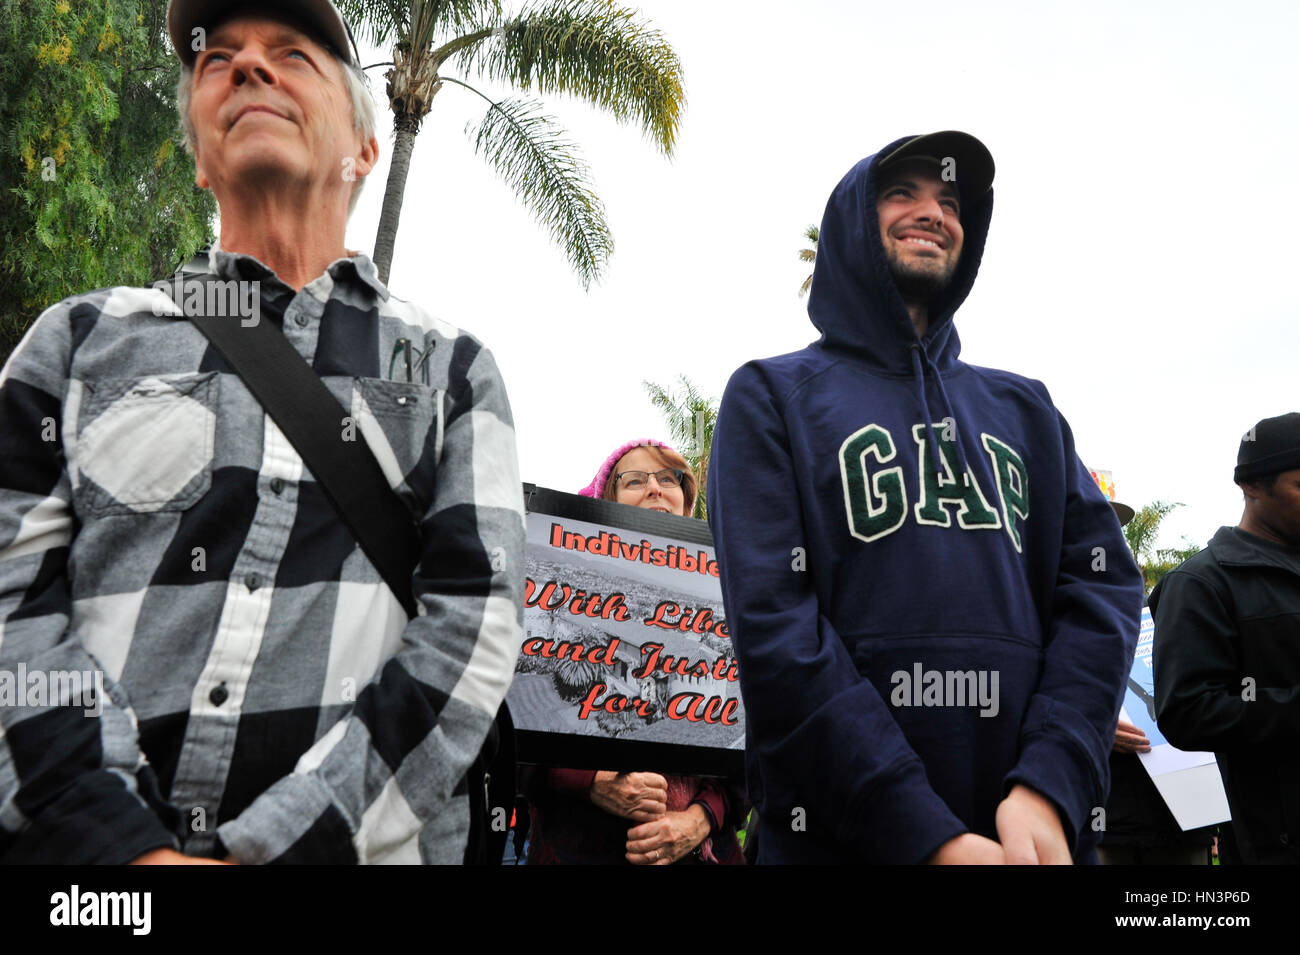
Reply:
x=574, y=751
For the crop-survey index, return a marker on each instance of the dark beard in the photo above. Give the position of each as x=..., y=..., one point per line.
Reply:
x=919, y=285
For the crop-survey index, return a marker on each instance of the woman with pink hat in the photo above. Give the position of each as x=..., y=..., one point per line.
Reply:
x=589, y=817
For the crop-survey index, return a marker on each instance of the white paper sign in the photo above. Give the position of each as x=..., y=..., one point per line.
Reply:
x=1189, y=783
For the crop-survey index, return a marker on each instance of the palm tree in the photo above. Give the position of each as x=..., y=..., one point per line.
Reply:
x=1141, y=533
x=690, y=418
x=808, y=255
x=591, y=49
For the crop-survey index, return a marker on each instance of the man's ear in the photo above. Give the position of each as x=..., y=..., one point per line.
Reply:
x=1252, y=490
x=200, y=179
x=367, y=157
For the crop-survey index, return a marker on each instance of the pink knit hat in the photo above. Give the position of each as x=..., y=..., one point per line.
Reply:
x=597, y=487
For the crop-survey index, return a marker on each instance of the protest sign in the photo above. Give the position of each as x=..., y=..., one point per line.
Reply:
x=626, y=661
x=1189, y=783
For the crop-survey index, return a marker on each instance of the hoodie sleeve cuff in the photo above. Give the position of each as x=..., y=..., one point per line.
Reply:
x=1059, y=771
x=904, y=823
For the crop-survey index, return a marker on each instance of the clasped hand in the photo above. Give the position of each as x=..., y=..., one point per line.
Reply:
x=662, y=837
x=1029, y=833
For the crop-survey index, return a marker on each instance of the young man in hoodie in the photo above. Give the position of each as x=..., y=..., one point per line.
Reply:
x=933, y=605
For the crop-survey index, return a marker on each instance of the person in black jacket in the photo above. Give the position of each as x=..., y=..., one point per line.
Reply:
x=1227, y=648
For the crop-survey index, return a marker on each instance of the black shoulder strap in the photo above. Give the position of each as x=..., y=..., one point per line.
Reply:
x=338, y=456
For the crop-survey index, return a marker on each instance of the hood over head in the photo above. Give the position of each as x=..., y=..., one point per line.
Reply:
x=854, y=301
x=856, y=304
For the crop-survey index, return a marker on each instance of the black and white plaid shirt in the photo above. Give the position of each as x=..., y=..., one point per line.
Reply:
x=266, y=695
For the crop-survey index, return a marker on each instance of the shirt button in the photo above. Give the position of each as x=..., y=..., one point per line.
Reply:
x=277, y=485
x=301, y=319
x=252, y=581
x=218, y=695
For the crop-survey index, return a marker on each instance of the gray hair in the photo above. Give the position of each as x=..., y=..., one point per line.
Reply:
x=358, y=89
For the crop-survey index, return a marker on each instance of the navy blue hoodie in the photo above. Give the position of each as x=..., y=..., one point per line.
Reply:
x=872, y=595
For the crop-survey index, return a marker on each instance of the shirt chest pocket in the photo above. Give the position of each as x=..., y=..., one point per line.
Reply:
x=145, y=444
x=402, y=423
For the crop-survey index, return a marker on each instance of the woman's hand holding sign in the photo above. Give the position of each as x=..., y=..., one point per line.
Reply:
x=663, y=837
x=668, y=838
x=640, y=797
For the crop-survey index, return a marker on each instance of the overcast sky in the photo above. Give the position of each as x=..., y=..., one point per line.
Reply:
x=1138, y=260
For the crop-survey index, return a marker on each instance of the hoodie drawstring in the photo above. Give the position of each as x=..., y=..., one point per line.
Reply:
x=919, y=375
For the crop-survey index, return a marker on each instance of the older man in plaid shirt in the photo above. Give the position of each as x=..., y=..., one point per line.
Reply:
x=267, y=698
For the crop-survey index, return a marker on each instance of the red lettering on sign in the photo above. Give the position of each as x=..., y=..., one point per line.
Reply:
x=694, y=708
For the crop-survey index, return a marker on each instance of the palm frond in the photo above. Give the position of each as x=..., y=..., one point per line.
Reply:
x=812, y=233
x=530, y=152
x=378, y=22
x=465, y=16
x=691, y=419
x=667, y=405
x=1141, y=532
x=689, y=415
x=594, y=50
x=416, y=22
x=659, y=396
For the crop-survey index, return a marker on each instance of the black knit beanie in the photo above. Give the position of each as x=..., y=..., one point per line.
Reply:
x=1270, y=447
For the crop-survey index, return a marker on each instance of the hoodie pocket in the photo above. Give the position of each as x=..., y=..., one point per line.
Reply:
x=960, y=700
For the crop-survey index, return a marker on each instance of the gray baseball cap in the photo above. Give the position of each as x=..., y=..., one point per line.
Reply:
x=319, y=18
x=973, y=162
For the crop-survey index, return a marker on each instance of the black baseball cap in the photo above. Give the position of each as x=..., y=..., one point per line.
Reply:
x=319, y=18
x=972, y=162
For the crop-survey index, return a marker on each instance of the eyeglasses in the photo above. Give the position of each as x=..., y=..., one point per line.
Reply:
x=636, y=480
